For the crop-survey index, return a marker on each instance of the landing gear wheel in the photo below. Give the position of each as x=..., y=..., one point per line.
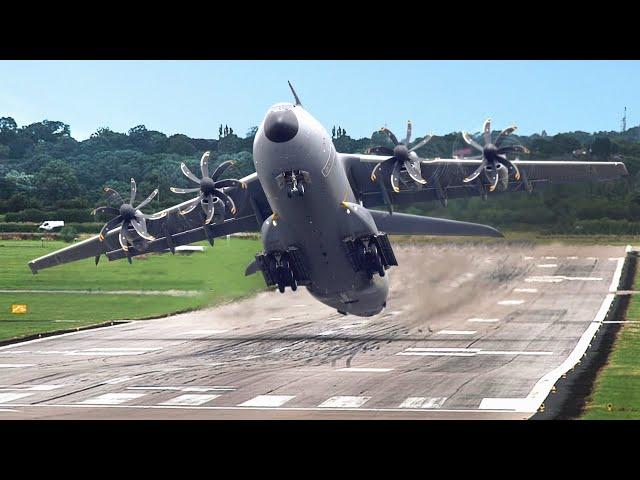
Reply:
x=300, y=190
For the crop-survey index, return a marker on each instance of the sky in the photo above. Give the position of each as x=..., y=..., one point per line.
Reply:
x=194, y=97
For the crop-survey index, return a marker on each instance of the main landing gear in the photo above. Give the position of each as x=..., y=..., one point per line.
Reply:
x=284, y=268
x=370, y=254
x=284, y=274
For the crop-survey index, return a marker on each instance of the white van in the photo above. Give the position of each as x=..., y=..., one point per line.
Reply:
x=51, y=224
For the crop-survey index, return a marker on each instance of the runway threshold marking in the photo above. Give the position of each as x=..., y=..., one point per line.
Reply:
x=423, y=402
x=547, y=265
x=344, y=401
x=112, y=399
x=32, y=388
x=267, y=401
x=185, y=388
x=190, y=399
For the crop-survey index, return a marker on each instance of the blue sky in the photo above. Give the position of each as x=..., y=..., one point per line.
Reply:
x=194, y=97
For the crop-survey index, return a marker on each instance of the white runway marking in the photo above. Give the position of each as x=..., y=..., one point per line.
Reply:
x=16, y=365
x=113, y=351
x=115, y=381
x=267, y=401
x=344, y=402
x=31, y=388
x=328, y=332
x=560, y=278
x=10, y=397
x=621, y=321
x=529, y=258
x=423, y=402
x=572, y=258
x=456, y=332
x=525, y=290
x=8, y=410
x=112, y=398
x=464, y=352
x=204, y=332
x=591, y=258
x=364, y=370
x=190, y=399
x=547, y=265
x=550, y=258
x=516, y=404
x=511, y=302
x=276, y=318
x=483, y=320
x=187, y=388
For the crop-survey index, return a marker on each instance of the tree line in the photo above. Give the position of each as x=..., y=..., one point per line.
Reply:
x=44, y=169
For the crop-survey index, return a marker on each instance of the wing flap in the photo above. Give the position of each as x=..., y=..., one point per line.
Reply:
x=405, y=224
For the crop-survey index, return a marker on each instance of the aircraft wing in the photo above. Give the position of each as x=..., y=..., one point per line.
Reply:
x=445, y=177
x=170, y=229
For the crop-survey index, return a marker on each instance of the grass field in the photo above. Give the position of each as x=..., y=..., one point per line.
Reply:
x=217, y=275
x=618, y=383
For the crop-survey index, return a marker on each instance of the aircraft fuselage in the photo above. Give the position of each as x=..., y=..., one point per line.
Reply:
x=317, y=222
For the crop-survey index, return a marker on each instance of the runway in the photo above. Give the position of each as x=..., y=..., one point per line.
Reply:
x=470, y=332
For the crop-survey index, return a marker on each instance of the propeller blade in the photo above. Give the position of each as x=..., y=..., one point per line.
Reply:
x=148, y=199
x=141, y=230
x=188, y=173
x=511, y=167
x=110, y=210
x=512, y=149
x=227, y=199
x=112, y=195
x=207, y=206
x=374, y=172
x=184, y=190
x=97, y=259
x=380, y=151
x=390, y=135
x=476, y=172
x=421, y=143
x=221, y=168
x=122, y=239
x=191, y=207
x=505, y=133
x=134, y=190
x=492, y=176
x=414, y=171
x=467, y=138
x=487, y=131
x=110, y=225
x=154, y=216
x=229, y=183
x=204, y=164
x=386, y=197
x=395, y=177
x=407, y=140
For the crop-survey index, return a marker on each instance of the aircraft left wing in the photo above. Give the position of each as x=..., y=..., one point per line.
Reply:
x=445, y=178
x=170, y=229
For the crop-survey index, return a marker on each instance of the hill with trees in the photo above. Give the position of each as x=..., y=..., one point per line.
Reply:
x=44, y=172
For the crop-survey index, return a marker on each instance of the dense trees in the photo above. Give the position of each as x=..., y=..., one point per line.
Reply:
x=44, y=170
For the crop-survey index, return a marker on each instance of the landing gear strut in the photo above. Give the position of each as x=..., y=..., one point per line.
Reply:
x=284, y=268
x=284, y=275
x=293, y=181
x=370, y=253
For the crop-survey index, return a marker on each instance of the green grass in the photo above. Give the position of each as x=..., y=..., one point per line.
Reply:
x=218, y=274
x=618, y=383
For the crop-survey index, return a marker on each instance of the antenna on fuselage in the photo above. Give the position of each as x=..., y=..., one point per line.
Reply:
x=294, y=93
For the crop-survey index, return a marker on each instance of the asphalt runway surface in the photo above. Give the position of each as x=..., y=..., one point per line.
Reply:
x=471, y=331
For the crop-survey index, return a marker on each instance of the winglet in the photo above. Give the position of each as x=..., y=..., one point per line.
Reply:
x=295, y=95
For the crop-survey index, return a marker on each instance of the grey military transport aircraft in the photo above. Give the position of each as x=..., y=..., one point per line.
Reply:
x=312, y=206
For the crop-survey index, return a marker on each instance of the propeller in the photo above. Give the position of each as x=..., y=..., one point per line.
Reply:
x=127, y=215
x=212, y=195
x=402, y=157
x=495, y=164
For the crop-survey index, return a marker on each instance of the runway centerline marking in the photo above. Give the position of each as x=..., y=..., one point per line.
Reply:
x=456, y=332
x=464, y=352
x=560, y=278
x=344, y=401
x=365, y=370
x=547, y=265
x=525, y=290
x=112, y=398
x=10, y=397
x=190, y=399
x=510, y=302
x=16, y=365
x=483, y=320
x=267, y=401
x=204, y=332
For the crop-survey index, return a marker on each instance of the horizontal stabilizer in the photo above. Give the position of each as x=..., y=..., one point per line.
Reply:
x=405, y=224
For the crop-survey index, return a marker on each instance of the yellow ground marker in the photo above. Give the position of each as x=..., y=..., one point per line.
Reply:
x=19, y=308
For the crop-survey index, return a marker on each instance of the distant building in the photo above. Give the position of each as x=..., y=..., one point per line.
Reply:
x=579, y=152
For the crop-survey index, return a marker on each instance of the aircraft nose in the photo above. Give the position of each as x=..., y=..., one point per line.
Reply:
x=281, y=126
